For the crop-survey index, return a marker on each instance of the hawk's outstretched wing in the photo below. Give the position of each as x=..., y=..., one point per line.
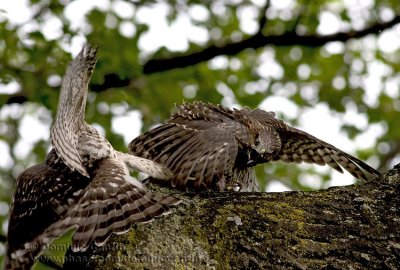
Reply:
x=197, y=152
x=64, y=132
x=43, y=195
x=204, y=145
x=299, y=146
x=110, y=204
x=51, y=199
x=201, y=137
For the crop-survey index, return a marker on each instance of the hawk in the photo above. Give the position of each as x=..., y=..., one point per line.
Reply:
x=208, y=146
x=82, y=184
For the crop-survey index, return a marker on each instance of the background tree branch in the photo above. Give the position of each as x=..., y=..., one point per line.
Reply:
x=16, y=98
x=263, y=17
x=339, y=228
x=254, y=42
x=3, y=238
x=260, y=40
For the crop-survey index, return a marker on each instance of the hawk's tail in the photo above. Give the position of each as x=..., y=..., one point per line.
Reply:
x=111, y=203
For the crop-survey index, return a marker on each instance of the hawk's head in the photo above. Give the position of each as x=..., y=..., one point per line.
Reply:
x=267, y=142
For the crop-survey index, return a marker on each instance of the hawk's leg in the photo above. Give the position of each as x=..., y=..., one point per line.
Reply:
x=227, y=185
x=146, y=166
x=233, y=186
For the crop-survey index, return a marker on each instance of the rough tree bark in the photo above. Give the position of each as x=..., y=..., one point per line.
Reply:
x=349, y=227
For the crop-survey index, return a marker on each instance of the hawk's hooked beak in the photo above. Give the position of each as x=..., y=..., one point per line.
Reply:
x=253, y=158
x=251, y=163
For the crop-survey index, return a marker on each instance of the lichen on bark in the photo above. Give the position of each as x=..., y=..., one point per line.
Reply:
x=349, y=227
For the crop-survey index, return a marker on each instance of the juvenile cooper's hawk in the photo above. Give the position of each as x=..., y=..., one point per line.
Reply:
x=83, y=183
x=212, y=147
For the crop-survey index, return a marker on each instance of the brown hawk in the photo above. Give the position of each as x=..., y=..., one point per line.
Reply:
x=50, y=199
x=212, y=147
x=83, y=183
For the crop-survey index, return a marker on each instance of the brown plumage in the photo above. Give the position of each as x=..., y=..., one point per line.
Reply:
x=50, y=199
x=84, y=183
x=212, y=147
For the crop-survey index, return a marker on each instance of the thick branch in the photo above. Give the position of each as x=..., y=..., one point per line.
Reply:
x=339, y=228
x=260, y=40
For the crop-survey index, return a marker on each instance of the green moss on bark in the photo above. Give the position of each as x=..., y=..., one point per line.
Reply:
x=339, y=228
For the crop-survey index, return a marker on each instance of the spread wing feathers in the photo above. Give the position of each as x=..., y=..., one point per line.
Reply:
x=203, y=111
x=195, y=151
x=209, y=112
x=66, y=149
x=64, y=138
x=153, y=142
x=43, y=194
x=111, y=204
x=202, y=157
x=299, y=146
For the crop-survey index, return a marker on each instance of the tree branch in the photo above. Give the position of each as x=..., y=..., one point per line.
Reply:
x=259, y=40
x=263, y=18
x=302, y=11
x=3, y=238
x=338, y=228
x=110, y=81
x=11, y=99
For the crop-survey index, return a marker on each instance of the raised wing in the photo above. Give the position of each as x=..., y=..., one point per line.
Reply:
x=197, y=152
x=50, y=199
x=64, y=132
x=43, y=195
x=110, y=204
x=299, y=146
x=199, y=110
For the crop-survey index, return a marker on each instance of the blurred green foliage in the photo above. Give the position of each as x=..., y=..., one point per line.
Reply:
x=334, y=74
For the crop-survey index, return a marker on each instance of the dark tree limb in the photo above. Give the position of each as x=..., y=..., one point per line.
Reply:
x=263, y=18
x=302, y=11
x=289, y=38
x=3, y=238
x=258, y=41
x=16, y=98
x=110, y=81
x=350, y=227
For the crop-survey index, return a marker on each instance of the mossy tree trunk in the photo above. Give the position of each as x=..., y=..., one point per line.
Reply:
x=350, y=227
